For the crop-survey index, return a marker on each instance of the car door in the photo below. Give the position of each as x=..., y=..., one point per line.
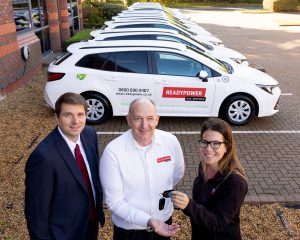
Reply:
x=126, y=76
x=178, y=89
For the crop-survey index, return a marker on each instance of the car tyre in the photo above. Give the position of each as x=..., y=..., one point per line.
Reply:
x=239, y=110
x=98, y=108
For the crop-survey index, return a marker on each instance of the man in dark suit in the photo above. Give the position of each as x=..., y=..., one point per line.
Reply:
x=63, y=196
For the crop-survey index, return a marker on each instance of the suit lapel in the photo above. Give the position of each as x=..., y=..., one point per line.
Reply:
x=68, y=157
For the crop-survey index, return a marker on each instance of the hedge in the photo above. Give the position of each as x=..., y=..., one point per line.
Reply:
x=95, y=13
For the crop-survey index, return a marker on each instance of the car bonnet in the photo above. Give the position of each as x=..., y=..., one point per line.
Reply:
x=252, y=75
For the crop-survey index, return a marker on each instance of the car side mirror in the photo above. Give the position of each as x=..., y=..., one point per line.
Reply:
x=203, y=76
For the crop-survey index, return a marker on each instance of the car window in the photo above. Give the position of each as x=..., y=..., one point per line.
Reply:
x=134, y=26
x=134, y=62
x=158, y=25
x=113, y=38
x=109, y=64
x=137, y=37
x=94, y=61
x=218, y=64
x=176, y=39
x=62, y=58
x=167, y=38
x=178, y=65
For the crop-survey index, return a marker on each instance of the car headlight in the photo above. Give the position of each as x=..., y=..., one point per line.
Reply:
x=267, y=88
x=237, y=60
x=241, y=61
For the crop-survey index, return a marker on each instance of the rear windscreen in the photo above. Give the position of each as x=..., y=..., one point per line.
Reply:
x=62, y=58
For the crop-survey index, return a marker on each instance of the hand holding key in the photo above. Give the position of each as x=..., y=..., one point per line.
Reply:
x=180, y=200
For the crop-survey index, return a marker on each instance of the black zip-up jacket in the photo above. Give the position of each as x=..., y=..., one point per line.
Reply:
x=215, y=215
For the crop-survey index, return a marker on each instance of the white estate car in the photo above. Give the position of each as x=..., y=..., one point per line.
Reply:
x=166, y=25
x=179, y=80
x=188, y=26
x=162, y=14
x=223, y=53
x=175, y=12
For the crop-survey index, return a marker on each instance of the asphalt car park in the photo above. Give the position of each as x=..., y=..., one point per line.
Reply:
x=268, y=147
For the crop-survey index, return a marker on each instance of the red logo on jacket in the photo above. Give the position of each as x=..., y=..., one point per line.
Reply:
x=164, y=159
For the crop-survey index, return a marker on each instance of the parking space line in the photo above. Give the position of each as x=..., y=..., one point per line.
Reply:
x=269, y=132
x=198, y=132
x=286, y=94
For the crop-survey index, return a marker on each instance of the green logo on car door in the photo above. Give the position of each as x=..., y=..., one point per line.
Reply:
x=81, y=76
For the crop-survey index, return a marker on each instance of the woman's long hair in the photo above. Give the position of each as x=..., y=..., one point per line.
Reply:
x=229, y=162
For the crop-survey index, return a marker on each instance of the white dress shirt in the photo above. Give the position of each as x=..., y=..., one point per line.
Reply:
x=72, y=146
x=133, y=178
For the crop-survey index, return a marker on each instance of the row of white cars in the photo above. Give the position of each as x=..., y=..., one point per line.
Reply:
x=154, y=52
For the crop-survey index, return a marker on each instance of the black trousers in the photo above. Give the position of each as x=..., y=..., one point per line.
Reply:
x=92, y=231
x=123, y=234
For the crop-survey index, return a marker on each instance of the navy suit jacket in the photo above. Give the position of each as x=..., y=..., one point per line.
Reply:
x=56, y=200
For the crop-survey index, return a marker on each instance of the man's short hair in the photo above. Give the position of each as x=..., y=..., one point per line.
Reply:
x=138, y=100
x=69, y=98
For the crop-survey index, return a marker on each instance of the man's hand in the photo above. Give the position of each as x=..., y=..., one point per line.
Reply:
x=162, y=228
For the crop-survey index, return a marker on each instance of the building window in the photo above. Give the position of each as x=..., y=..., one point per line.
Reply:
x=73, y=16
x=21, y=12
x=39, y=13
x=31, y=15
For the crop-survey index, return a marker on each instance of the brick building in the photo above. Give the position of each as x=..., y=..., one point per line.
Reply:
x=38, y=25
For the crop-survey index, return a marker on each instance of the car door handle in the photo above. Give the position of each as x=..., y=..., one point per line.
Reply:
x=161, y=82
x=110, y=79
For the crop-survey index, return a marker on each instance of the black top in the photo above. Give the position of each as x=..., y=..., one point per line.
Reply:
x=214, y=210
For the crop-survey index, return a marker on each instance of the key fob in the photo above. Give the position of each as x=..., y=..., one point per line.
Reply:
x=161, y=203
x=167, y=193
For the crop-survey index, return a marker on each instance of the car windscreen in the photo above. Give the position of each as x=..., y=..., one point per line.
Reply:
x=208, y=47
x=220, y=65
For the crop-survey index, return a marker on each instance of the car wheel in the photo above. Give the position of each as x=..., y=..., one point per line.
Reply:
x=98, y=108
x=239, y=110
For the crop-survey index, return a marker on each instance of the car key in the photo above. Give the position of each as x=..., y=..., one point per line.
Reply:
x=167, y=193
x=161, y=203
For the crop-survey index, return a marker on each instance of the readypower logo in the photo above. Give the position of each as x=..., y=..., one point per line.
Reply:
x=180, y=92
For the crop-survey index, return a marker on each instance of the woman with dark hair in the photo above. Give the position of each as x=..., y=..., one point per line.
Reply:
x=219, y=189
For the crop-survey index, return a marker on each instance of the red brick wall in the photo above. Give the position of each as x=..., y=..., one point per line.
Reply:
x=64, y=15
x=54, y=26
x=14, y=71
x=80, y=15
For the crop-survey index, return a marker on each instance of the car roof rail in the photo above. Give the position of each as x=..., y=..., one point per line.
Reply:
x=101, y=37
x=120, y=30
x=91, y=44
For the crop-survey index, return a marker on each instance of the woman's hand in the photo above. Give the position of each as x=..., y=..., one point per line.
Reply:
x=180, y=199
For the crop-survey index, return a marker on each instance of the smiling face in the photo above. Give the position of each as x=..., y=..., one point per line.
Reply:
x=142, y=119
x=210, y=156
x=71, y=120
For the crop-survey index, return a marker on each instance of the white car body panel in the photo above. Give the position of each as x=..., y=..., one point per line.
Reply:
x=218, y=53
x=205, y=38
x=189, y=25
x=154, y=86
x=194, y=28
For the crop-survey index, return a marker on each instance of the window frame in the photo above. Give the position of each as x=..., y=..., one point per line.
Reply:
x=112, y=56
x=155, y=64
x=21, y=2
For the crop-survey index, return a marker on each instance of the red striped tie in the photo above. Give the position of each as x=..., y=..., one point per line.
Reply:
x=82, y=167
